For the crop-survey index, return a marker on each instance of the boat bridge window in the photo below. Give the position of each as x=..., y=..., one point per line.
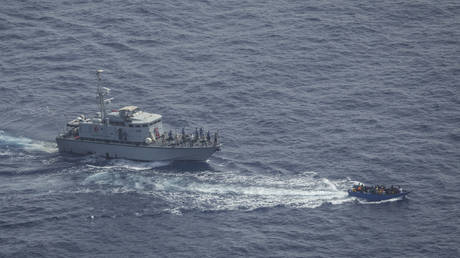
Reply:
x=144, y=125
x=130, y=125
x=117, y=123
x=138, y=126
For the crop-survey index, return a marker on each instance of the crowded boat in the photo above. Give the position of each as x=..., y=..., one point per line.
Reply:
x=376, y=192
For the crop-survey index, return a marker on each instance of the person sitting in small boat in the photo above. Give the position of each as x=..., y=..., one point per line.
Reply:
x=394, y=190
x=376, y=189
x=356, y=188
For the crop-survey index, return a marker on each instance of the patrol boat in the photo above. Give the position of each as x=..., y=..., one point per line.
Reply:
x=131, y=133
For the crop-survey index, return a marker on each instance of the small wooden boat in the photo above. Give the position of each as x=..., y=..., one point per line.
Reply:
x=377, y=193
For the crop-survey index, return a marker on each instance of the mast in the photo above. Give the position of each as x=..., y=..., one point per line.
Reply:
x=101, y=92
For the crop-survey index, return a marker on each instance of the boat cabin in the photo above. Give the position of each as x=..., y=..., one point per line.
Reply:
x=128, y=124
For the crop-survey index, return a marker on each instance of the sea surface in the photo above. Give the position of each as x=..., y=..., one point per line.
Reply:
x=310, y=97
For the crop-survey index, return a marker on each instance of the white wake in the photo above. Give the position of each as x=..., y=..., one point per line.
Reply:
x=26, y=143
x=225, y=190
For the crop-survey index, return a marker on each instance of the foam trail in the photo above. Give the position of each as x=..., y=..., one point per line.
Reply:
x=138, y=165
x=380, y=202
x=132, y=165
x=26, y=143
x=211, y=190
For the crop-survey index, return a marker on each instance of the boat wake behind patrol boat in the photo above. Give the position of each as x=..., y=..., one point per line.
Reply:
x=133, y=134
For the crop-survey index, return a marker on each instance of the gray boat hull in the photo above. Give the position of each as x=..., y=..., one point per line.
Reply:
x=135, y=152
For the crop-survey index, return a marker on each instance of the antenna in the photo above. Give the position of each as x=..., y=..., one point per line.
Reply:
x=100, y=95
x=98, y=73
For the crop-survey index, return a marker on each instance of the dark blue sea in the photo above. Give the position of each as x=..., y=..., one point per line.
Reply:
x=310, y=97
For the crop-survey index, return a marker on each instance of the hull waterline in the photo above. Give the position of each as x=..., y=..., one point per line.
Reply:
x=135, y=152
